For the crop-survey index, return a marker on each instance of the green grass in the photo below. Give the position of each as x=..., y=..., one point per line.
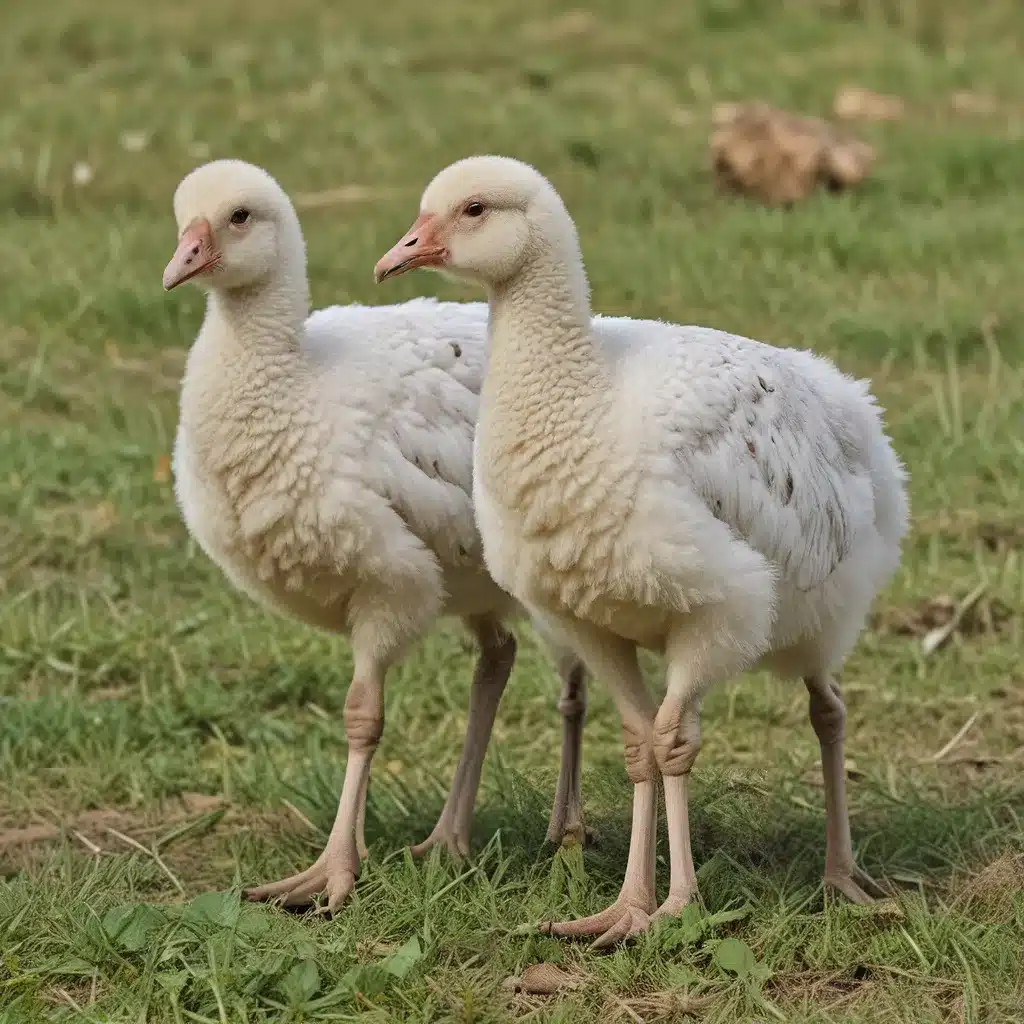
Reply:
x=141, y=697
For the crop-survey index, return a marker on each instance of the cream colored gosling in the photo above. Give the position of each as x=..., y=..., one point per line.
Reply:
x=324, y=462
x=727, y=503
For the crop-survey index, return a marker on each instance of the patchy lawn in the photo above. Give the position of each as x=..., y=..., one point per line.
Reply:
x=163, y=741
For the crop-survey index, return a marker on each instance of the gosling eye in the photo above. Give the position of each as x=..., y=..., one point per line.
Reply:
x=240, y=217
x=474, y=209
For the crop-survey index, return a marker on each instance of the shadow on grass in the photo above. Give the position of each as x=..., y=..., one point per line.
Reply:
x=745, y=843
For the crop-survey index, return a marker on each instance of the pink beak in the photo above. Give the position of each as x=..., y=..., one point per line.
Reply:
x=195, y=253
x=418, y=247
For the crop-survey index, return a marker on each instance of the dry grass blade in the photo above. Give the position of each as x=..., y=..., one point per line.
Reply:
x=955, y=741
x=66, y=996
x=663, y=1006
x=152, y=854
x=87, y=843
x=936, y=638
x=982, y=760
x=193, y=829
x=298, y=814
x=626, y=1009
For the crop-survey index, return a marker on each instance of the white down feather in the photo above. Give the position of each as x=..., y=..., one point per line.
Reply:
x=350, y=478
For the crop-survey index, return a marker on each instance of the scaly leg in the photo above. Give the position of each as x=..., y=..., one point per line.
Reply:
x=614, y=659
x=828, y=716
x=361, y=821
x=676, y=745
x=630, y=914
x=566, y=823
x=710, y=643
x=336, y=869
x=493, y=668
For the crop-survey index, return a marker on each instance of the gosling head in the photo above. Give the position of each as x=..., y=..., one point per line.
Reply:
x=481, y=219
x=235, y=224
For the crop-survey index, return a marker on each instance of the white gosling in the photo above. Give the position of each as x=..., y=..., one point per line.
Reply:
x=730, y=504
x=324, y=462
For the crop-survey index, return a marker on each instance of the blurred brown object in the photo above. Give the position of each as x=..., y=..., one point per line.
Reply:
x=779, y=157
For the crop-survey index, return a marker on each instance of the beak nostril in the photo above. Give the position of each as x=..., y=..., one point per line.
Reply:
x=411, y=243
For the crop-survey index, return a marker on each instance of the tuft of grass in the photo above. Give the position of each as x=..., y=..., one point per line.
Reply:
x=163, y=742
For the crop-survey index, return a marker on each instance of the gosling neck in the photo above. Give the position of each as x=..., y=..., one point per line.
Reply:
x=248, y=356
x=546, y=399
x=265, y=319
x=543, y=355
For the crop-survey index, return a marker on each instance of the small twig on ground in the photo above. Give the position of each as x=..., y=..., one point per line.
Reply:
x=149, y=853
x=66, y=996
x=298, y=814
x=936, y=638
x=86, y=842
x=626, y=1008
x=955, y=741
x=976, y=759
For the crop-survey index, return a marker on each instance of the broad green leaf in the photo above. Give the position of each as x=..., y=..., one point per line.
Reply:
x=173, y=982
x=130, y=926
x=402, y=961
x=300, y=984
x=735, y=957
x=686, y=929
x=69, y=965
x=252, y=921
x=725, y=916
x=369, y=979
x=216, y=908
x=302, y=945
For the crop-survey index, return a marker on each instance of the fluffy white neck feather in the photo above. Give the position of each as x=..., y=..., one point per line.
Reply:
x=540, y=318
x=547, y=396
x=266, y=317
x=246, y=381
